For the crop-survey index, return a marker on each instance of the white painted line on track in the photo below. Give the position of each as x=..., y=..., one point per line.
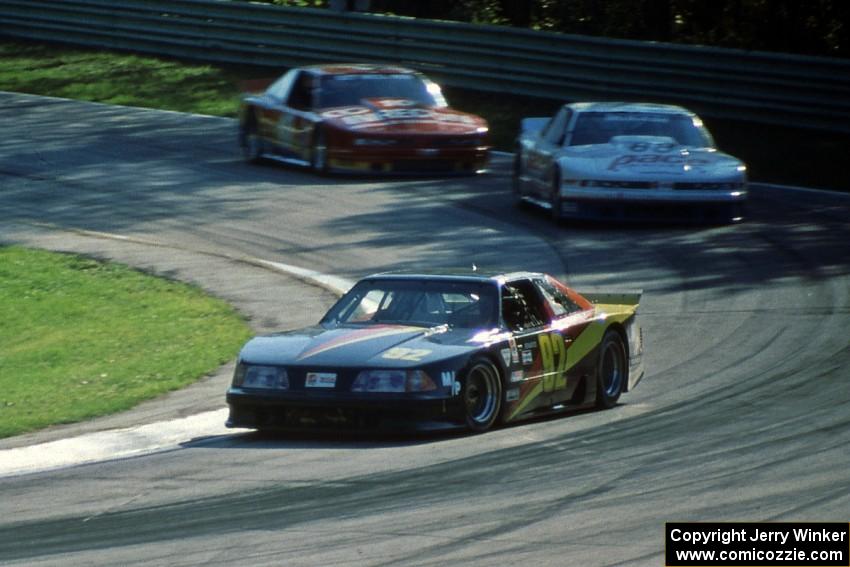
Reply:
x=112, y=444
x=333, y=283
x=152, y=437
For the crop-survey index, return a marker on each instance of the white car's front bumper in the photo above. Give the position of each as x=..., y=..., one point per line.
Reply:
x=651, y=204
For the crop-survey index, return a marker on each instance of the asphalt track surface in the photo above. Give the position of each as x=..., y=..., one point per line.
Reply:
x=744, y=414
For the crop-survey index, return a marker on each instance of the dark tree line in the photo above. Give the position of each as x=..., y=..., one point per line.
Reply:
x=813, y=27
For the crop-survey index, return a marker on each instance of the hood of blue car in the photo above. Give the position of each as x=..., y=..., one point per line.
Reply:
x=353, y=346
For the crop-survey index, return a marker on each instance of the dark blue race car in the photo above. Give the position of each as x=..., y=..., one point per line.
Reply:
x=433, y=351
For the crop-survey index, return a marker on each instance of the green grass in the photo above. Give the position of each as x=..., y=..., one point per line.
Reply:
x=83, y=338
x=774, y=154
x=117, y=78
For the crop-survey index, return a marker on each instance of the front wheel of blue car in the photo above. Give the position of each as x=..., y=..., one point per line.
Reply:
x=482, y=395
x=613, y=370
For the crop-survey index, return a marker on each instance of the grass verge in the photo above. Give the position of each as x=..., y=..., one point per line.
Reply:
x=773, y=154
x=84, y=338
x=117, y=78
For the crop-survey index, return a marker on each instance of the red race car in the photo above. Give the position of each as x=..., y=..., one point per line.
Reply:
x=361, y=118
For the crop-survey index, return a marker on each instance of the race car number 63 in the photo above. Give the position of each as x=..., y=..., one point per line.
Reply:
x=553, y=352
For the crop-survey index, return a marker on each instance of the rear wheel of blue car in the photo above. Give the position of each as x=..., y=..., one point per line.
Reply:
x=613, y=370
x=482, y=395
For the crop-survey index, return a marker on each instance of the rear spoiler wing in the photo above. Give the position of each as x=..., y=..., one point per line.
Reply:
x=613, y=297
x=626, y=304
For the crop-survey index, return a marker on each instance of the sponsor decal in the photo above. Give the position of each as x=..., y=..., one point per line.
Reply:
x=514, y=350
x=364, y=119
x=632, y=161
x=506, y=356
x=392, y=102
x=361, y=116
x=346, y=111
x=320, y=380
x=447, y=378
x=401, y=353
x=393, y=113
x=456, y=388
x=635, y=117
x=374, y=76
x=517, y=376
x=512, y=395
x=527, y=357
x=528, y=395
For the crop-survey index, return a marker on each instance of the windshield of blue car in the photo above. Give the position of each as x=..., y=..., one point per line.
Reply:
x=600, y=127
x=351, y=90
x=425, y=303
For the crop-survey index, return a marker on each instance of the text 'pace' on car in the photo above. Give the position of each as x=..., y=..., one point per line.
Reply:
x=433, y=351
x=375, y=119
x=627, y=161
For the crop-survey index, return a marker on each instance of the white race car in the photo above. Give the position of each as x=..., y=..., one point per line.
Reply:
x=618, y=161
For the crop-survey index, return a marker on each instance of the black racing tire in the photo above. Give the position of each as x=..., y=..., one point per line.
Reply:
x=319, y=151
x=482, y=395
x=612, y=371
x=251, y=142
